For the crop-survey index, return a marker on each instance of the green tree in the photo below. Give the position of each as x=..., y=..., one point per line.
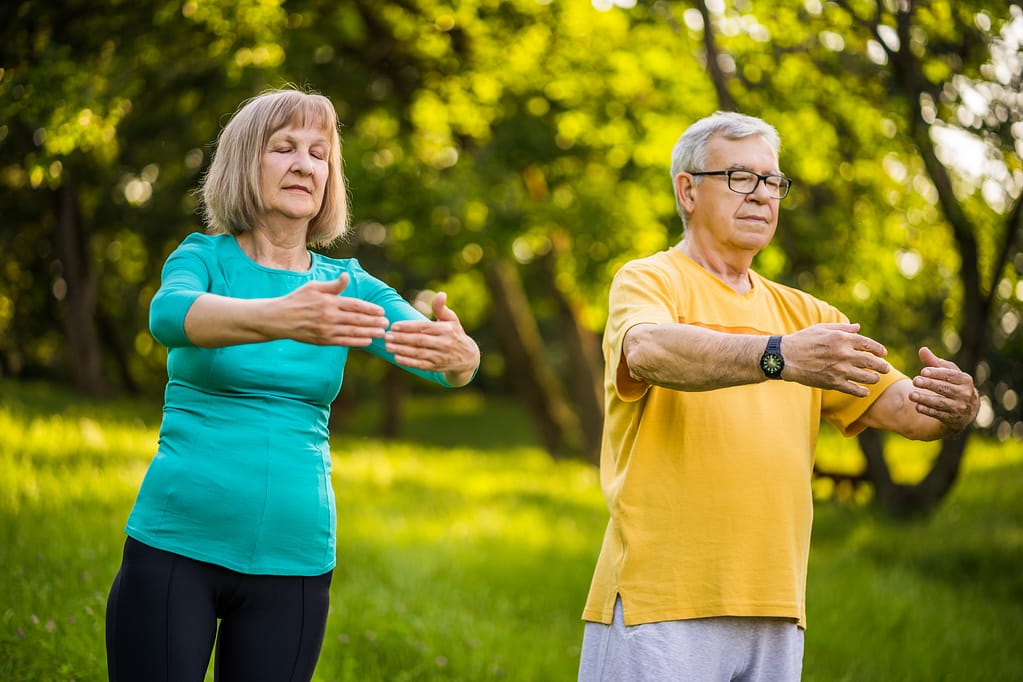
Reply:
x=101, y=140
x=516, y=153
x=894, y=86
x=527, y=175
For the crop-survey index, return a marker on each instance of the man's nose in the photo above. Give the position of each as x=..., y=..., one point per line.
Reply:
x=761, y=192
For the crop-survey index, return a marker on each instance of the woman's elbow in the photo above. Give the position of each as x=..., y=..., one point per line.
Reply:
x=167, y=325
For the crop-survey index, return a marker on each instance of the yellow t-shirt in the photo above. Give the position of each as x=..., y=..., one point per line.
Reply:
x=709, y=492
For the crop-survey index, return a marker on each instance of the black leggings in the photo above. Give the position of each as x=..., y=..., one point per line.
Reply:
x=162, y=621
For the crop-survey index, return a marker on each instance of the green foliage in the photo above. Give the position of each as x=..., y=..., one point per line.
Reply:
x=121, y=124
x=472, y=563
x=869, y=97
x=517, y=129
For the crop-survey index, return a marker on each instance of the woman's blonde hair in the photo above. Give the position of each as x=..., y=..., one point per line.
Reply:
x=230, y=189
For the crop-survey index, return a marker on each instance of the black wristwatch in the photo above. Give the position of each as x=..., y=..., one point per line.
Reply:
x=771, y=362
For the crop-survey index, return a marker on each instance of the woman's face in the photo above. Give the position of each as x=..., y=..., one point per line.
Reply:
x=293, y=173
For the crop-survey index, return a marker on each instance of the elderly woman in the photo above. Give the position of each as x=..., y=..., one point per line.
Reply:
x=235, y=519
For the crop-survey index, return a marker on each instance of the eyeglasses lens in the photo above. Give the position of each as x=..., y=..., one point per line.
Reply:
x=745, y=182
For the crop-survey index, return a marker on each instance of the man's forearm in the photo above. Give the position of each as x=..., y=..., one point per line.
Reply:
x=688, y=358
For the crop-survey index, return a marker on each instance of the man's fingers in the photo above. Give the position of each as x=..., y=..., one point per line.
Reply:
x=847, y=327
x=879, y=366
x=869, y=345
x=937, y=405
x=941, y=376
x=854, y=389
x=955, y=385
x=929, y=359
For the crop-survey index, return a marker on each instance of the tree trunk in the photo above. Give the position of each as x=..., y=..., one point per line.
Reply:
x=711, y=53
x=77, y=293
x=392, y=402
x=901, y=500
x=108, y=335
x=523, y=349
x=341, y=410
x=923, y=497
x=585, y=362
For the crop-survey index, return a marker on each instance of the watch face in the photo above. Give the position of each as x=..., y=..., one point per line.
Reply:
x=771, y=364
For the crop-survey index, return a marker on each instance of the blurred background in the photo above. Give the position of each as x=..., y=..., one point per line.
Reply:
x=515, y=153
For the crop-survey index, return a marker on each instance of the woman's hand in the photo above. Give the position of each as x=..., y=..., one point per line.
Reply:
x=316, y=313
x=438, y=345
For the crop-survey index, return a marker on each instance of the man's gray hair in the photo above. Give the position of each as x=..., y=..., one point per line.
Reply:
x=690, y=152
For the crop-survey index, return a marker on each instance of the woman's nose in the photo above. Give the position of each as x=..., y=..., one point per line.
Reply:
x=302, y=164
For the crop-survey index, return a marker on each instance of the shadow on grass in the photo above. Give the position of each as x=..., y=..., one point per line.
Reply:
x=448, y=419
x=41, y=399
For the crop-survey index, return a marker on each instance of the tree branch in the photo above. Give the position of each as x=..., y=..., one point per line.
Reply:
x=717, y=76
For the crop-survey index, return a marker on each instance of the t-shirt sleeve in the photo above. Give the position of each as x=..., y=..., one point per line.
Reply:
x=185, y=277
x=638, y=295
x=843, y=411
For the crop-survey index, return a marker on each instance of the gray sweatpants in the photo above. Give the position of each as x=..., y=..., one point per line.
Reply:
x=703, y=650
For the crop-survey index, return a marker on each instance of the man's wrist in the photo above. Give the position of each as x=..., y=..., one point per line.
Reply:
x=771, y=361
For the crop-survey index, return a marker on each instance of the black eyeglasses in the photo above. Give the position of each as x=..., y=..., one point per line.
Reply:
x=746, y=182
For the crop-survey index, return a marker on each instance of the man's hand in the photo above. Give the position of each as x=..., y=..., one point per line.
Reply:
x=834, y=356
x=939, y=402
x=945, y=392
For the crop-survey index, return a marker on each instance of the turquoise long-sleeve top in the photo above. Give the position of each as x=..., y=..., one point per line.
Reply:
x=241, y=475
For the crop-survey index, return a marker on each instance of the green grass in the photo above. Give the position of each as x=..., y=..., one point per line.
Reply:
x=464, y=553
x=931, y=599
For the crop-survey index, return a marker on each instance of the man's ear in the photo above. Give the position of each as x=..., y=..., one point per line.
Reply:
x=684, y=190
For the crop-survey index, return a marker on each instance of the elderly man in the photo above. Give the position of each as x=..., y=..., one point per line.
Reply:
x=716, y=381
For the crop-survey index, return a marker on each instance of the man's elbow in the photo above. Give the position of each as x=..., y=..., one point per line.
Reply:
x=931, y=429
x=639, y=356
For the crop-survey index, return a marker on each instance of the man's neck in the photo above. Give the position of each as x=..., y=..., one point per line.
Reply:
x=731, y=269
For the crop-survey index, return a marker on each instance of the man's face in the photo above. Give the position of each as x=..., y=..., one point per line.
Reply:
x=726, y=220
